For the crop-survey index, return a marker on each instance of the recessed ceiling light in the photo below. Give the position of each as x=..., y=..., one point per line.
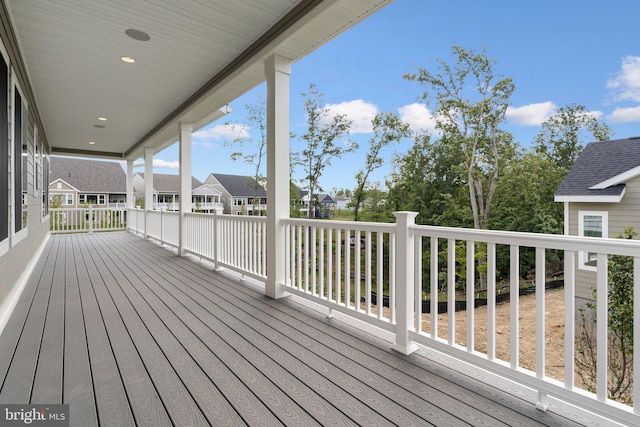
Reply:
x=128, y=59
x=138, y=35
x=92, y=143
x=102, y=119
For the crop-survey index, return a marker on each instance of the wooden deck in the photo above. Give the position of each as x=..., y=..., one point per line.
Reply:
x=129, y=334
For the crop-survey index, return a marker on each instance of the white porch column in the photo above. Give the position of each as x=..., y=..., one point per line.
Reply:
x=186, y=129
x=404, y=282
x=148, y=186
x=130, y=197
x=277, y=71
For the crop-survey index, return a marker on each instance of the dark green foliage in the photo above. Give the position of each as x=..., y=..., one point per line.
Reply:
x=620, y=325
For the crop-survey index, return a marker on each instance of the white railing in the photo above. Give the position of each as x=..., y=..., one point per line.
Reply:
x=86, y=220
x=218, y=207
x=117, y=205
x=377, y=272
x=348, y=266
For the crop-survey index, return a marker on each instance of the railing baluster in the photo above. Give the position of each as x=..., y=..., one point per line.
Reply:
x=434, y=286
x=514, y=305
x=347, y=268
x=540, y=324
x=602, y=303
x=330, y=261
x=367, y=280
x=417, y=253
x=392, y=278
x=338, y=265
x=569, y=319
x=451, y=291
x=491, y=301
x=313, y=248
x=357, y=279
x=321, y=260
x=471, y=293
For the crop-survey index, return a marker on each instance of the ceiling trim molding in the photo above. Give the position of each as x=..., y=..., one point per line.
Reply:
x=301, y=10
x=91, y=153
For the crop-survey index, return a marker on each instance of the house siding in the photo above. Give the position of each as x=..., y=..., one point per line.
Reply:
x=20, y=253
x=621, y=215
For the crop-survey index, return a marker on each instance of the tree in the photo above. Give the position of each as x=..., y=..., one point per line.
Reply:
x=250, y=150
x=470, y=105
x=387, y=129
x=427, y=180
x=326, y=139
x=620, y=325
x=562, y=134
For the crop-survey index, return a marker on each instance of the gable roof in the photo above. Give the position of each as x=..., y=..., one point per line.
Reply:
x=600, y=173
x=88, y=176
x=169, y=183
x=205, y=190
x=240, y=185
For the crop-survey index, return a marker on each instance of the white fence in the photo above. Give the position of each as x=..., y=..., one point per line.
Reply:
x=382, y=273
x=86, y=220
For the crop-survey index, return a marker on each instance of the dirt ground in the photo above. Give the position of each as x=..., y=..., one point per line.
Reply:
x=554, y=331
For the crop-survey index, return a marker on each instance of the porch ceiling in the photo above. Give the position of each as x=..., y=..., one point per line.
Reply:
x=200, y=56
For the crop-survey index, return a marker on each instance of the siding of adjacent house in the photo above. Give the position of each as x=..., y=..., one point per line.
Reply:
x=621, y=215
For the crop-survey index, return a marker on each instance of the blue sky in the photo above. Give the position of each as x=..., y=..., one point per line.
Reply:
x=557, y=52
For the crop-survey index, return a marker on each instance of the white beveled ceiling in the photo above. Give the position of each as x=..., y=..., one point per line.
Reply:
x=201, y=55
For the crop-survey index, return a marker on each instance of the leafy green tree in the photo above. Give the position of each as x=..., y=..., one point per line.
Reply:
x=470, y=102
x=427, y=180
x=620, y=325
x=326, y=139
x=387, y=129
x=562, y=134
x=251, y=150
x=524, y=199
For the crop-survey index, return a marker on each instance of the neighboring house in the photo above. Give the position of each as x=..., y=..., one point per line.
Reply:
x=241, y=195
x=601, y=196
x=324, y=207
x=77, y=182
x=166, y=189
x=342, y=202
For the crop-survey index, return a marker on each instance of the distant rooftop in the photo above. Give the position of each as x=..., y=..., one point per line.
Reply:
x=240, y=185
x=89, y=175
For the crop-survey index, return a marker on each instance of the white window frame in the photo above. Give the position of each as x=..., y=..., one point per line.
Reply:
x=582, y=255
x=4, y=244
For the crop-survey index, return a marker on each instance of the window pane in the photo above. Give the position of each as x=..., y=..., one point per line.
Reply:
x=592, y=226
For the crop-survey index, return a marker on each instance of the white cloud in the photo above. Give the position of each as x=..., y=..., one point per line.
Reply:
x=222, y=132
x=418, y=117
x=531, y=114
x=625, y=115
x=159, y=163
x=360, y=112
x=625, y=85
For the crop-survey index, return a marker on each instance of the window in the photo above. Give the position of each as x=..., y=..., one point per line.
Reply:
x=4, y=150
x=45, y=186
x=591, y=224
x=239, y=201
x=20, y=159
x=68, y=199
x=91, y=199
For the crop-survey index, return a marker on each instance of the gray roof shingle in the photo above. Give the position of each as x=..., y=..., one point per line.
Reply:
x=240, y=186
x=598, y=162
x=89, y=175
x=168, y=183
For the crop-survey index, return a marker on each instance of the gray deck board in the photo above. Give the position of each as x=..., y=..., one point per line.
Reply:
x=129, y=334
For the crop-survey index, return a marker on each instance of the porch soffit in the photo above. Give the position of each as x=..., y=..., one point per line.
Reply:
x=200, y=57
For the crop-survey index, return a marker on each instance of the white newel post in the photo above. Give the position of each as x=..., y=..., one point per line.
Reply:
x=404, y=282
x=277, y=71
x=186, y=130
x=148, y=187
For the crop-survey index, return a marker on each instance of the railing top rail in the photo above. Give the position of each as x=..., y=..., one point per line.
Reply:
x=351, y=225
x=549, y=241
x=242, y=218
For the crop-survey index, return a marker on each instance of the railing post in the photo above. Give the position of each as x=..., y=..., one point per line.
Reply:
x=90, y=219
x=216, y=239
x=405, y=259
